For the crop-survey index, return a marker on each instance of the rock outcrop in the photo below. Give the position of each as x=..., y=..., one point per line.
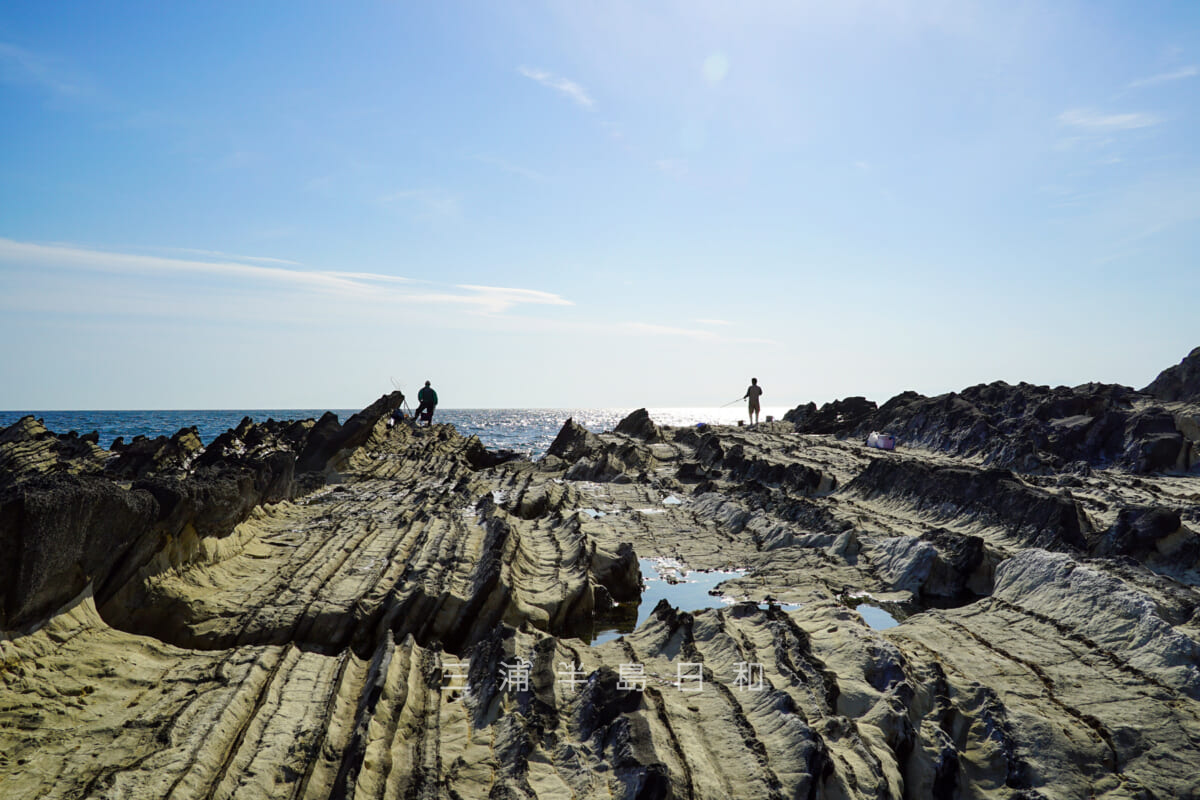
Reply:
x=639, y=425
x=1034, y=516
x=1180, y=382
x=60, y=534
x=28, y=449
x=1037, y=429
x=311, y=610
x=839, y=415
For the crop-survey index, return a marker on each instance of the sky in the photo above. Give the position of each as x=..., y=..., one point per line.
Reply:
x=628, y=203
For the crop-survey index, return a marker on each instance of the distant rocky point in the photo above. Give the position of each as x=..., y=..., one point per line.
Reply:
x=1038, y=429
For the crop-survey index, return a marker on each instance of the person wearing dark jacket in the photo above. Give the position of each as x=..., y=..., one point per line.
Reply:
x=428, y=399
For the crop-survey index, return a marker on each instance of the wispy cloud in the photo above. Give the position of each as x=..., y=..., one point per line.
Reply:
x=230, y=256
x=18, y=65
x=568, y=87
x=714, y=322
x=69, y=257
x=498, y=298
x=241, y=277
x=372, y=277
x=1091, y=120
x=1166, y=77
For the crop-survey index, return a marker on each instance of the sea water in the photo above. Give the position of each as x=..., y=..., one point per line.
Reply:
x=528, y=431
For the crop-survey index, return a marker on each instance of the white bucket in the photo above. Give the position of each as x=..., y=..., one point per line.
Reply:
x=884, y=441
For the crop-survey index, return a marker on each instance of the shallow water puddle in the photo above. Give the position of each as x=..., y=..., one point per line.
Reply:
x=668, y=579
x=876, y=617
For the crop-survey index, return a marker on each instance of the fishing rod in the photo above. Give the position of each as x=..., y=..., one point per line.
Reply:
x=731, y=402
x=404, y=402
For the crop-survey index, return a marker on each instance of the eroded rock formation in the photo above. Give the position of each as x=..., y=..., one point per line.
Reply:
x=1037, y=429
x=309, y=611
x=1180, y=382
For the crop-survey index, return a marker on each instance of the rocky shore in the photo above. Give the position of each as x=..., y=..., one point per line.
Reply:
x=311, y=609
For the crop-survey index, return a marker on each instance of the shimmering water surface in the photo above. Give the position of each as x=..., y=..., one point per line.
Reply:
x=525, y=430
x=666, y=579
x=111, y=424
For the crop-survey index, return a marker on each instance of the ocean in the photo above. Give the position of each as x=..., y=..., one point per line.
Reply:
x=524, y=430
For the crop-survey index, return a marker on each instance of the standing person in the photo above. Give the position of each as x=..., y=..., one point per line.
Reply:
x=753, y=392
x=428, y=399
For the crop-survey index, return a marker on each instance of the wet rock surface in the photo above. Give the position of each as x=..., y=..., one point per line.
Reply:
x=304, y=611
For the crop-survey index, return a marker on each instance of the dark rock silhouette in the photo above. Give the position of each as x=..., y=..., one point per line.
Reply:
x=639, y=425
x=1180, y=382
x=160, y=455
x=573, y=442
x=59, y=533
x=833, y=417
x=1035, y=429
x=67, y=524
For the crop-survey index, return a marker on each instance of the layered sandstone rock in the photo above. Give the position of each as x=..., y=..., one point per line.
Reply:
x=73, y=515
x=410, y=615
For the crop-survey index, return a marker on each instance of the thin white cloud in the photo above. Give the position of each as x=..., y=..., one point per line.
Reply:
x=653, y=329
x=231, y=256
x=1092, y=120
x=714, y=322
x=373, y=277
x=19, y=65
x=568, y=87
x=66, y=256
x=1166, y=77
x=360, y=287
x=498, y=298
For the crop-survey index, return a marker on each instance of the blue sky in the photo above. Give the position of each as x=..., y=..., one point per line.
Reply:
x=591, y=204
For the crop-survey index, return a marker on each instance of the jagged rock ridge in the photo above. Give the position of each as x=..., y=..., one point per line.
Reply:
x=351, y=638
x=1037, y=428
x=1180, y=382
